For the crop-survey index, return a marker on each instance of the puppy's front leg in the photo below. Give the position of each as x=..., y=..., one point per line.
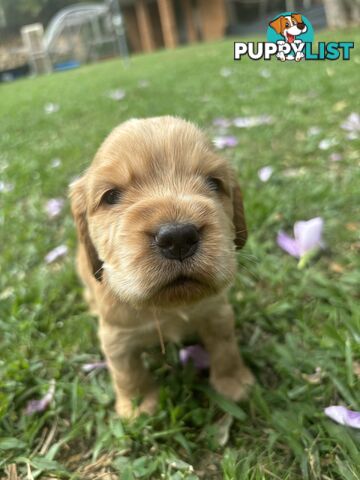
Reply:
x=130, y=378
x=228, y=374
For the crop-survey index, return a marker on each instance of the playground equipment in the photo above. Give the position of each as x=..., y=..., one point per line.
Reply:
x=78, y=34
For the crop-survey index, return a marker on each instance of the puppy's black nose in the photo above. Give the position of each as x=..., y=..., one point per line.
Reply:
x=177, y=241
x=301, y=26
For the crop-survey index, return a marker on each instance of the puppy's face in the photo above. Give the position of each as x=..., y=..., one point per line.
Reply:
x=159, y=214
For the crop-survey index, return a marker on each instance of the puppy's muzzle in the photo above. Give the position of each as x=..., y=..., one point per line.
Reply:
x=177, y=241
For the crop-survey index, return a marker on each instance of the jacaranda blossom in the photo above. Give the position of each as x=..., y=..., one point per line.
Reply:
x=343, y=416
x=196, y=354
x=34, y=406
x=56, y=253
x=265, y=173
x=306, y=241
x=225, y=141
x=89, y=367
x=54, y=206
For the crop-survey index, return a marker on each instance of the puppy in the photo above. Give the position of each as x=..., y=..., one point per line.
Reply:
x=159, y=215
x=289, y=27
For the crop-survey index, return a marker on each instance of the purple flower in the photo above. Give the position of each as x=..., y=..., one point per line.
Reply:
x=197, y=354
x=336, y=157
x=343, y=416
x=265, y=173
x=89, y=367
x=313, y=131
x=55, y=163
x=265, y=73
x=50, y=108
x=352, y=125
x=6, y=187
x=56, y=253
x=54, y=206
x=248, y=122
x=327, y=143
x=307, y=239
x=224, y=141
x=226, y=72
x=221, y=122
x=143, y=83
x=34, y=406
x=117, y=94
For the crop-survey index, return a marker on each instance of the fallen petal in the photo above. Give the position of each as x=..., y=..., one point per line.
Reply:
x=308, y=234
x=225, y=72
x=143, y=83
x=225, y=141
x=343, y=416
x=352, y=123
x=327, y=143
x=265, y=73
x=336, y=157
x=56, y=253
x=54, y=206
x=249, y=122
x=313, y=131
x=117, y=94
x=6, y=187
x=197, y=354
x=288, y=244
x=221, y=122
x=51, y=108
x=34, y=406
x=265, y=173
x=89, y=367
x=55, y=163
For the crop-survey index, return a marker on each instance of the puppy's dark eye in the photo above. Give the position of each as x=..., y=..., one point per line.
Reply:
x=111, y=196
x=214, y=184
x=287, y=24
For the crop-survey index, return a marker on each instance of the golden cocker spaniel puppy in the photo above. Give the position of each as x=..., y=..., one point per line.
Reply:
x=159, y=215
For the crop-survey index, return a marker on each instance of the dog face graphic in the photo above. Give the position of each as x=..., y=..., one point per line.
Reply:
x=289, y=26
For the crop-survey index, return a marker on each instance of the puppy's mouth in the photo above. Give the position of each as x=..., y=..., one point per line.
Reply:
x=181, y=281
x=182, y=289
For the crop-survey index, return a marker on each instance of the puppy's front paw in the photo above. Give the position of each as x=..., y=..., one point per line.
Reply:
x=125, y=408
x=235, y=386
x=149, y=403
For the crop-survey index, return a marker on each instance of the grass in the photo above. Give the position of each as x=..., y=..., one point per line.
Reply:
x=290, y=322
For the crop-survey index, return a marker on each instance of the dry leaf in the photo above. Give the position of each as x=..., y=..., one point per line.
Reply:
x=314, y=378
x=338, y=106
x=336, y=267
x=356, y=368
x=352, y=227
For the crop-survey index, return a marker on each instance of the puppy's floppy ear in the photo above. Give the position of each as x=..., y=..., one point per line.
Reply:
x=239, y=216
x=276, y=25
x=78, y=208
x=297, y=17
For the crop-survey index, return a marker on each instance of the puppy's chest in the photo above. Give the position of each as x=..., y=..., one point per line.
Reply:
x=171, y=327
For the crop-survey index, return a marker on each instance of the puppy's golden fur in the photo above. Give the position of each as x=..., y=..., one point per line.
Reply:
x=162, y=170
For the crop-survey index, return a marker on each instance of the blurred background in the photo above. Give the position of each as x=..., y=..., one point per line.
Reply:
x=38, y=36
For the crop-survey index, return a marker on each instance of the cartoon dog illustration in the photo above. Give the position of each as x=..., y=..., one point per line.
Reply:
x=289, y=26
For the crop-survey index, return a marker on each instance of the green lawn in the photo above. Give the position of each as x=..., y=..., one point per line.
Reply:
x=290, y=322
